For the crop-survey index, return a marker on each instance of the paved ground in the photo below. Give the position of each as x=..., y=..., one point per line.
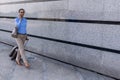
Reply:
x=41, y=69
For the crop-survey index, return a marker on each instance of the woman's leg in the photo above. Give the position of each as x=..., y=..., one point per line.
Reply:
x=20, y=44
x=23, y=40
x=18, y=57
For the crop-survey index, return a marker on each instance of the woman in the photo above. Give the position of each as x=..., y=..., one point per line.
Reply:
x=21, y=24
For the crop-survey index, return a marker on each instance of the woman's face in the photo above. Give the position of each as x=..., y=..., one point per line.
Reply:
x=21, y=13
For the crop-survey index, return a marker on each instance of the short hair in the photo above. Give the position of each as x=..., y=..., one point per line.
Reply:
x=21, y=9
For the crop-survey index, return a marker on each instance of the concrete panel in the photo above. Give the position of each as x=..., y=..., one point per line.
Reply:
x=110, y=64
x=9, y=1
x=77, y=9
x=111, y=36
x=94, y=9
x=111, y=10
x=81, y=33
x=52, y=9
x=85, y=5
x=84, y=9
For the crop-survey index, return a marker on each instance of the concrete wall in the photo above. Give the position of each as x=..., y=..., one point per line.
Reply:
x=102, y=35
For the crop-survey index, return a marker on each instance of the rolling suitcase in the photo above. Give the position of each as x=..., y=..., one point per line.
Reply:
x=13, y=52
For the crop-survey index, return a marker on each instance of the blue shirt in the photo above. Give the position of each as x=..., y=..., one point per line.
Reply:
x=22, y=25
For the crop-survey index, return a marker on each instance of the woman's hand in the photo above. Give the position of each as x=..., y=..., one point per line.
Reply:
x=27, y=38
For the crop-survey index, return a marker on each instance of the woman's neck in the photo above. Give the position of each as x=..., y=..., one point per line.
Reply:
x=20, y=17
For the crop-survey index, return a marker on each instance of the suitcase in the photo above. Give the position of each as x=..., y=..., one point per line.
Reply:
x=13, y=52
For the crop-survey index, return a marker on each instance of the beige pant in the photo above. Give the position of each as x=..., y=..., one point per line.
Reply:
x=20, y=42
